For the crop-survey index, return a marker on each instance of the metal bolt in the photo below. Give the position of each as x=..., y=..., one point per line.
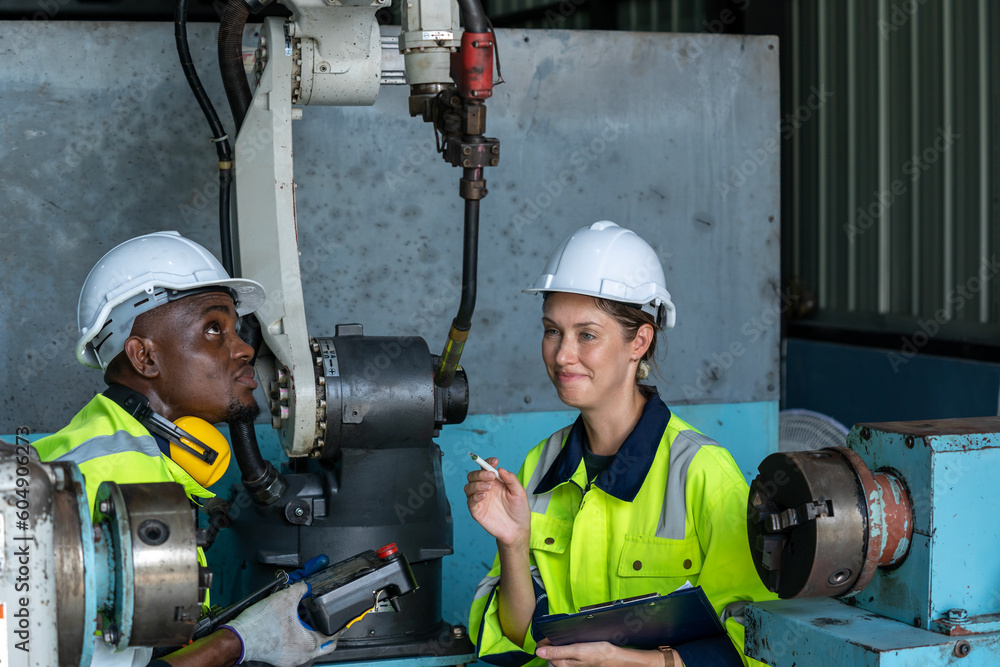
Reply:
x=494, y=162
x=467, y=150
x=111, y=635
x=839, y=577
x=866, y=433
x=909, y=442
x=496, y=150
x=98, y=535
x=957, y=614
x=104, y=507
x=962, y=648
x=319, y=361
x=458, y=631
x=371, y=633
x=299, y=511
x=315, y=346
x=322, y=381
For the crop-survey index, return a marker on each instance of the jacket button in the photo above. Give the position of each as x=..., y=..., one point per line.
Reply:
x=637, y=565
x=687, y=564
x=550, y=540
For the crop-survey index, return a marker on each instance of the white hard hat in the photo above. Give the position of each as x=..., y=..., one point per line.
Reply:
x=609, y=262
x=139, y=275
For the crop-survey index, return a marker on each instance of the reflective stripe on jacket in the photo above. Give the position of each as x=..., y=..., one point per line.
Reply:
x=671, y=508
x=108, y=444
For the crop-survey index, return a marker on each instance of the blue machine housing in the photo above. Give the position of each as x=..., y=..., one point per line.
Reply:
x=942, y=603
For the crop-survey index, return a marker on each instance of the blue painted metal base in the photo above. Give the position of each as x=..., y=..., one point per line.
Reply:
x=823, y=631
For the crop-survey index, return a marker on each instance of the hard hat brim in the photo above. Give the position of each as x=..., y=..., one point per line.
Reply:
x=250, y=297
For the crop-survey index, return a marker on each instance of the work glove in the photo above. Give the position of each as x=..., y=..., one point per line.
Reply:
x=271, y=631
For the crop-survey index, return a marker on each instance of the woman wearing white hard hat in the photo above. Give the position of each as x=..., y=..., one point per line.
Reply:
x=628, y=500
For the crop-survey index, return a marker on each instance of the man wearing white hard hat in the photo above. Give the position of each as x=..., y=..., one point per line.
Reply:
x=159, y=314
x=628, y=500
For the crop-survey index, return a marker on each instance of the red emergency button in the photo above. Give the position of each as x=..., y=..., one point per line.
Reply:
x=387, y=550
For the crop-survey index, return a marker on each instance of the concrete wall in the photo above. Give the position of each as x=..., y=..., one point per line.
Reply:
x=101, y=140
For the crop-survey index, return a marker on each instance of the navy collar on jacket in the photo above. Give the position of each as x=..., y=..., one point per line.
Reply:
x=625, y=475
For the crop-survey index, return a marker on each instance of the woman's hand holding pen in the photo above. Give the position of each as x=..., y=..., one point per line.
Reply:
x=500, y=504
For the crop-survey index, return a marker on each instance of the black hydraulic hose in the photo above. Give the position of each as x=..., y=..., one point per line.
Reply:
x=247, y=451
x=184, y=52
x=219, y=136
x=470, y=256
x=225, y=225
x=251, y=334
x=473, y=17
x=232, y=19
x=245, y=448
x=444, y=374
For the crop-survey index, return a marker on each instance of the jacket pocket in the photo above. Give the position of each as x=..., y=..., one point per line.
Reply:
x=644, y=557
x=549, y=534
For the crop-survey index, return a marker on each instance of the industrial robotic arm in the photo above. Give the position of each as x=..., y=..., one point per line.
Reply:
x=360, y=443
x=329, y=53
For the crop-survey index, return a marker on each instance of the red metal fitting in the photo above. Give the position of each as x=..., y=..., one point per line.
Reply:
x=472, y=66
x=387, y=550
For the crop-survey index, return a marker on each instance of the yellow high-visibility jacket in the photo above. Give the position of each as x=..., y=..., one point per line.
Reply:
x=671, y=508
x=110, y=445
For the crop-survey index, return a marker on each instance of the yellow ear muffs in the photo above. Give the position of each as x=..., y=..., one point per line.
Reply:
x=205, y=434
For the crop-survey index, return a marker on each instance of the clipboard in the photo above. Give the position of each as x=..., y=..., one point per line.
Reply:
x=646, y=622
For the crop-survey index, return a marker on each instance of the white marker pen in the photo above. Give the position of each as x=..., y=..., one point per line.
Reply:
x=484, y=465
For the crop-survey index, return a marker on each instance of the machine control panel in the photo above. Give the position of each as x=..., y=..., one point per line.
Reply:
x=344, y=591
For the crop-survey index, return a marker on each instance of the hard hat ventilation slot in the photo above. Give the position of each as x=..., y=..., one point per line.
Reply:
x=97, y=344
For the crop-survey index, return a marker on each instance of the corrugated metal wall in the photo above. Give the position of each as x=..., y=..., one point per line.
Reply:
x=890, y=171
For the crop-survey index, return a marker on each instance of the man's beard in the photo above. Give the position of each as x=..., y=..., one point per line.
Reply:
x=238, y=412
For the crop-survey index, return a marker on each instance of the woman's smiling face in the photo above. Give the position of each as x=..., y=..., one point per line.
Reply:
x=585, y=352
